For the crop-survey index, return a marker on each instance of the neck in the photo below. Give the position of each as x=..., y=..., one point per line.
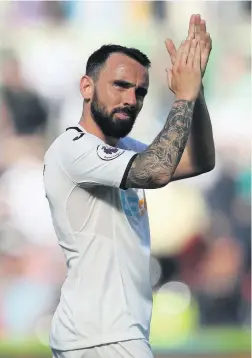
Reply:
x=88, y=123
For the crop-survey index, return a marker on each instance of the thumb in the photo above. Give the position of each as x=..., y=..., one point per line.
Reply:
x=171, y=49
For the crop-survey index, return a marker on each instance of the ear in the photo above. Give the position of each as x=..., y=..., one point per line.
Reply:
x=87, y=87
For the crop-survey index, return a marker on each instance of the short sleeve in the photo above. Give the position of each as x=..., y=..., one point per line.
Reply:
x=86, y=159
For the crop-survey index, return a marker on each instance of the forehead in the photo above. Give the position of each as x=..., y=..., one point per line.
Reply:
x=121, y=67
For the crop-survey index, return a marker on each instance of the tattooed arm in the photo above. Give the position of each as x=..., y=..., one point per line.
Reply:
x=199, y=154
x=154, y=167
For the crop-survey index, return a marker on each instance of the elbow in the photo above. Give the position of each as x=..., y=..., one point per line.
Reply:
x=207, y=167
x=211, y=166
x=209, y=163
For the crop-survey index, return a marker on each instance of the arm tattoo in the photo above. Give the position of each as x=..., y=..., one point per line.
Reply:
x=155, y=166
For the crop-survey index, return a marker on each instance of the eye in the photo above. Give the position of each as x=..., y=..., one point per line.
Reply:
x=121, y=84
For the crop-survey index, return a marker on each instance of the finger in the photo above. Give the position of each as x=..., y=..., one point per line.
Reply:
x=206, y=44
x=206, y=50
x=202, y=27
x=191, y=28
x=202, y=45
x=179, y=53
x=197, y=26
x=196, y=61
x=171, y=50
x=191, y=54
x=208, y=41
x=185, y=52
x=203, y=37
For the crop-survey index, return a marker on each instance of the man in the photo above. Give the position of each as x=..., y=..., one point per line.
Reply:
x=94, y=179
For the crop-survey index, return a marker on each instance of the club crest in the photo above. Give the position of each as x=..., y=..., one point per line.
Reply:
x=106, y=152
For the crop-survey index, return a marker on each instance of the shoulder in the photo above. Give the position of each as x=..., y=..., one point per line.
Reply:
x=75, y=137
x=72, y=143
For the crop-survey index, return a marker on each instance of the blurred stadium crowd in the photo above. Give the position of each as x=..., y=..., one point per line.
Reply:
x=200, y=227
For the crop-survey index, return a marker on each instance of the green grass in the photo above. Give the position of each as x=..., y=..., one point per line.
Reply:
x=208, y=340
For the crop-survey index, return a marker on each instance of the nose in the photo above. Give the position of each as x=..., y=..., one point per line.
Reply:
x=130, y=98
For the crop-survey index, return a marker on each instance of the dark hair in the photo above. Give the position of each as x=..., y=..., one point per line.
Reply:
x=28, y=114
x=98, y=58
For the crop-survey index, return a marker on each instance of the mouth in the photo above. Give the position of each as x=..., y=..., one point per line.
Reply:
x=123, y=115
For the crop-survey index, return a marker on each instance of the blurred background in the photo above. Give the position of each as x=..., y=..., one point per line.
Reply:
x=200, y=227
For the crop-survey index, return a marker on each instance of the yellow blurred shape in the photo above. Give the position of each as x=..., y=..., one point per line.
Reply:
x=173, y=319
x=177, y=212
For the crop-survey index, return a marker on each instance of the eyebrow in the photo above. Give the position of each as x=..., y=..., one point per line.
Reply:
x=141, y=90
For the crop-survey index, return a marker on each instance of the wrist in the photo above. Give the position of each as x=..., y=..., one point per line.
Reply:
x=182, y=97
x=184, y=102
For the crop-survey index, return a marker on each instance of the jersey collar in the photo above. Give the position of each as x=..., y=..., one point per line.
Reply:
x=78, y=128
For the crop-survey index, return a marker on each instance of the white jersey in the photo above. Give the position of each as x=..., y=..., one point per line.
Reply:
x=104, y=233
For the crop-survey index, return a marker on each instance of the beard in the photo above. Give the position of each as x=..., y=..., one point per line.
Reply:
x=110, y=126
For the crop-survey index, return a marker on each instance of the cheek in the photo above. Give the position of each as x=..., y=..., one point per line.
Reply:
x=109, y=99
x=113, y=96
x=112, y=100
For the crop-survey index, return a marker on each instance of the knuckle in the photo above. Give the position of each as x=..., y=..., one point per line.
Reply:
x=175, y=71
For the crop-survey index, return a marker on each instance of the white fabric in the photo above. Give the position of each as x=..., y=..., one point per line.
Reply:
x=129, y=349
x=104, y=234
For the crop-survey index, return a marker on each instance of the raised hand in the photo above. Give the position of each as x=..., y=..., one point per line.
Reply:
x=184, y=79
x=196, y=30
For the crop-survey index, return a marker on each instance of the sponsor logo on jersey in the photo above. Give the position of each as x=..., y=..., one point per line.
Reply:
x=106, y=152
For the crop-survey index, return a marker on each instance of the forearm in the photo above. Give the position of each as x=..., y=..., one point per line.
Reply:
x=155, y=166
x=201, y=143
